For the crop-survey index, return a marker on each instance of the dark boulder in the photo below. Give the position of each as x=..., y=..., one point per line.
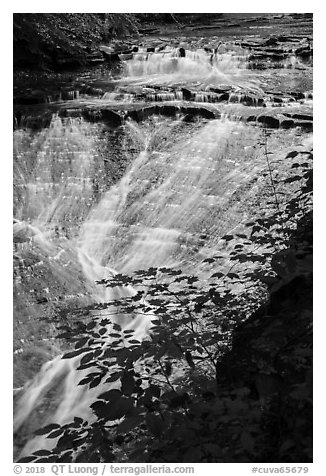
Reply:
x=139, y=115
x=304, y=51
x=287, y=123
x=111, y=57
x=31, y=99
x=269, y=121
x=108, y=116
x=303, y=117
x=251, y=100
x=182, y=52
x=305, y=125
x=187, y=94
x=224, y=97
x=297, y=95
x=168, y=110
x=111, y=117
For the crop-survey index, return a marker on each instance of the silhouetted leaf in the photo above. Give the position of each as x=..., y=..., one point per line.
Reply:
x=155, y=424
x=56, y=433
x=292, y=154
x=95, y=382
x=130, y=423
x=217, y=275
x=73, y=354
x=127, y=383
x=111, y=395
x=42, y=453
x=81, y=342
x=26, y=459
x=46, y=429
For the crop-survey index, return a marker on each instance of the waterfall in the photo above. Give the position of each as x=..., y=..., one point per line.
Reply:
x=184, y=184
x=169, y=67
x=172, y=193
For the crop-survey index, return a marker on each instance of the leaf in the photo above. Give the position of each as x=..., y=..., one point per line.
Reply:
x=46, y=429
x=26, y=459
x=227, y=237
x=174, y=350
x=90, y=325
x=127, y=383
x=154, y=390
x=111, y=396
x=155, y=424
x=217, y=275
x=65, y=442
x=130, y=423
x=156, y=302
x=168, y=369
x=81, y=342
x=208, y=260
x=56, y=433
x=95, y=382
x=119, y=408
x=70, y=355
x=84, y=381
x=78, y=422
x=189, y=359
x=42, y=453
x=113, y=377
x=295, y=178
x=87, y=358
x=292, y=154
x=99, y=408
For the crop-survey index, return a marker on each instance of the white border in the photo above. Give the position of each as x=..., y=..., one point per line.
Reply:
x=319, y=466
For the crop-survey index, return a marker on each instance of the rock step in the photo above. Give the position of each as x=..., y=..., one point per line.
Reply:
x=156, y=93
x=115, y=117
x=275, y=50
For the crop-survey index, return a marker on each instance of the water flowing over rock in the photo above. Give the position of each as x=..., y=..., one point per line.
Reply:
x=146, y=167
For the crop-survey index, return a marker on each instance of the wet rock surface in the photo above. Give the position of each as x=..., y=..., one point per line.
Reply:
x=218, y=71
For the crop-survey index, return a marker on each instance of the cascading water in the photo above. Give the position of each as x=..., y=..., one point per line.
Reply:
x=178, y=195
x=169, y=67
x=168, y=196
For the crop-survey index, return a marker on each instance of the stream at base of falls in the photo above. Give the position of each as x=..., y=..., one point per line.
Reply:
x=91, y=200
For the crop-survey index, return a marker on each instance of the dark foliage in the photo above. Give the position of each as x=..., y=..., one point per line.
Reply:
x=63, y=40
